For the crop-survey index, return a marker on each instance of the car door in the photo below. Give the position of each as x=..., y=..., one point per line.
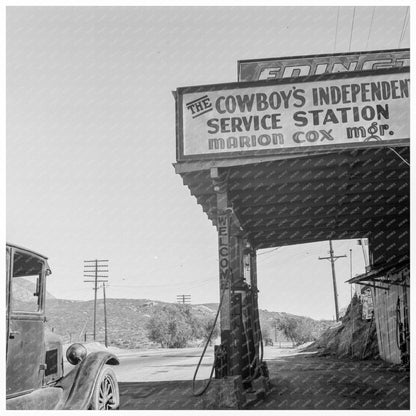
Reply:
x=25, y=340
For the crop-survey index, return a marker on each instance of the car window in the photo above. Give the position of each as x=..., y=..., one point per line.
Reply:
x=26, y=282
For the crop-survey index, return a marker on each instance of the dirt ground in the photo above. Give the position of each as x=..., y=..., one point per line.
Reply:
x=308, y=382
x=302, y=381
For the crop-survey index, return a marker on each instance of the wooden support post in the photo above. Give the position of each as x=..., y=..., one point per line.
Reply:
x=223, y=228
x=231, y=271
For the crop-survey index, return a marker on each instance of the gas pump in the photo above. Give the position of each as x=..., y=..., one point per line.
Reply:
x=245, y=324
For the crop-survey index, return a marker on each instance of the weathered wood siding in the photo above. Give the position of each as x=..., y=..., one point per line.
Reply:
x=385, y=315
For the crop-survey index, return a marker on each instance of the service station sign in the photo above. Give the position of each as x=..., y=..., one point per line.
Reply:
x=294, y=115
x=301, y=66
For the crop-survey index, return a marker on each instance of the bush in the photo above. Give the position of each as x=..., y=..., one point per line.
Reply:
x=297, y=330
x=207, y=328
x=171, y=326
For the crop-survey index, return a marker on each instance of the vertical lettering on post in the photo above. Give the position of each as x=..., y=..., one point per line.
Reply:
x=224, y=269
x=223, y=250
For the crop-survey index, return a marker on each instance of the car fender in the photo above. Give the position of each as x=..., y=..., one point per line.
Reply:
x=78, y=385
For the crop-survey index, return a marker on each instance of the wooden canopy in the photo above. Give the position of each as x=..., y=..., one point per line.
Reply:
x=295, y=199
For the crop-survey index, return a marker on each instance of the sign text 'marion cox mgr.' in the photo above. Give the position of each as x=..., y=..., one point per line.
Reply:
x=341, y=109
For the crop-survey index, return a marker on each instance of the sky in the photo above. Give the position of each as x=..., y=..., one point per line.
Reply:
x=91, y=142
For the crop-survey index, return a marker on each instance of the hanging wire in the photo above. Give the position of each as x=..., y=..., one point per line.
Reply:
x=267, y=252
x=400, y=156
x=166, y=284
x=371, y=27
x=404, y=26
x=336, y=29
x=352, y=29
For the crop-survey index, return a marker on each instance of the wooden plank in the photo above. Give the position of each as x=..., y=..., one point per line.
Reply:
x=244, y=205
x=193, y=166
x=311, y=238
x=295, y=210
x=291, y=194
x=277, y=221
x=385, y=315
x=309, y=184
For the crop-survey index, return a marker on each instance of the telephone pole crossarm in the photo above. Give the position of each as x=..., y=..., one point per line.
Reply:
x=333, y=257
x=183, y=299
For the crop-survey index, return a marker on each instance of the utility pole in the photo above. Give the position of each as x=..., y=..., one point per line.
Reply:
x=351, y=271
x=183, y=299
x=97, y=269
x=105, y=318
x=333, y=259
x=362, y=243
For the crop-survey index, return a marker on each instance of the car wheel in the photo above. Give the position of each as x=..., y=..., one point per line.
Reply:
x=106, y=393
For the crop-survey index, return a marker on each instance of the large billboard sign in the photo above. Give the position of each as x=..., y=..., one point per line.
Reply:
x=294, y=115
x=290, y=67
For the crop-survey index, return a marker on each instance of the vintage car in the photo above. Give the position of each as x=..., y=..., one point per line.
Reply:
x=35, y=377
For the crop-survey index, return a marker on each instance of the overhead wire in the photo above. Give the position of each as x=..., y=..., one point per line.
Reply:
x=400, y=156
x=404, y=26
x=267, y=252
x=165, y=284
x=370, y=28
x=336, y=29
x=352, y=29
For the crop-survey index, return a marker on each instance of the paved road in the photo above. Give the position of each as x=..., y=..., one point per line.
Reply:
x=174, y=364
x=163, y=365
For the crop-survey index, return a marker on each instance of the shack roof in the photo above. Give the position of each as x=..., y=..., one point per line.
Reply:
x=396, y=273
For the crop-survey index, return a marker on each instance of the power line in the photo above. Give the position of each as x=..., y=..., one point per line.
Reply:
x=267, y=252
x=400, y=156
x=404, y=26
x=352, y=29
x=195, y=287
x=203, y=283
x=164, y=285
x=371, y=27
x=336, y=29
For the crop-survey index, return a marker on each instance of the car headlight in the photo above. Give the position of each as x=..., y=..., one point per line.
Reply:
x=76, y=353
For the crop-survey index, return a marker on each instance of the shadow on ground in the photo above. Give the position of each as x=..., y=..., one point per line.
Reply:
x=302, y=381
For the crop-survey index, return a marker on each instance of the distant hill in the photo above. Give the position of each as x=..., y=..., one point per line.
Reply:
x=24, y=289
x=127, y=319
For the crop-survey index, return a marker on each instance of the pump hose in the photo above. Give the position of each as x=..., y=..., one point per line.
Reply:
x=203, y=390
